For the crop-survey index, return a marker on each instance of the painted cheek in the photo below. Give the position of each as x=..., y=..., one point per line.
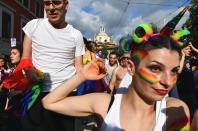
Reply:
x=147, y=76
x=174, y=79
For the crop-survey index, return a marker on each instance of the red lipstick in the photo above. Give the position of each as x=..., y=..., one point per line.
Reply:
x=162, y=92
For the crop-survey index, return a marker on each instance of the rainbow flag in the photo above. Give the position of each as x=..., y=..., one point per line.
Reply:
x=170, y=26
x=21, y=103
x=19, y=81
x=29, y=98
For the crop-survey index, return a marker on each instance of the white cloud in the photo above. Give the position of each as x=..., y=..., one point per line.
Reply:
x=118, y=16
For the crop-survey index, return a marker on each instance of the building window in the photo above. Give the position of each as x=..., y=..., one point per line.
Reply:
x=38, y=8
x=6, y=22
x=26, y=3
x=6, y=25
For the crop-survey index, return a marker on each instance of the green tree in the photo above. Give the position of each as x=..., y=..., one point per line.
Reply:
x=192, y=23
x=105, y=51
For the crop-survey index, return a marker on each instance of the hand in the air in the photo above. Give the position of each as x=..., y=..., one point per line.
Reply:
x=95, y=70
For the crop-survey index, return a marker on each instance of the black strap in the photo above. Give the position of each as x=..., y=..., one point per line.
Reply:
x=111, y=102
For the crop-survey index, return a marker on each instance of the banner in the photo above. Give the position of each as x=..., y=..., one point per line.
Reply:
x=170, y=26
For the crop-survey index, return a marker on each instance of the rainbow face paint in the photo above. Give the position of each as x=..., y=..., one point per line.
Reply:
x=147, y=76
x=138, y=56
x=181, y=125
x=174, y=79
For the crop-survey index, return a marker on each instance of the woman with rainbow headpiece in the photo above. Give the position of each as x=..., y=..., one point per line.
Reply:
x=144, y=106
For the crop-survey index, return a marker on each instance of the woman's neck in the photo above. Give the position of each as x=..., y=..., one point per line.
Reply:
x=137, y=103
x=136, y=109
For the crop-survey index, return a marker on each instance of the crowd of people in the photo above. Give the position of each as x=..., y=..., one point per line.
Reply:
x=156, y=83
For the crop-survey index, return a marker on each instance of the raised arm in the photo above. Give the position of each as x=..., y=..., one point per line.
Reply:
x=195, y=51
x=58, y=100
x=193, y=48
x=181, y=64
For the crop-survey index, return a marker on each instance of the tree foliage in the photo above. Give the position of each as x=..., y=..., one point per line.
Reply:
x=192, y=23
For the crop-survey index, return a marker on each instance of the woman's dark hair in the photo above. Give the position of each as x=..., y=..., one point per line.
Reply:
x=19, y=48
x=113, y=53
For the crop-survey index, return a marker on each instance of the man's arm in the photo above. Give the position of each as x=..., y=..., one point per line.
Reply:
x=78, y=63
x=27, y=48
x=79, y=52
x=27, y=54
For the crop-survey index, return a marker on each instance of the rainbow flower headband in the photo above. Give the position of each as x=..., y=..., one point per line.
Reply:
x=178, y=35
x=144, y=31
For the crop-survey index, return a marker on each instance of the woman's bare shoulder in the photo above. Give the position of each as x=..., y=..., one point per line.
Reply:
x=178, y=115
x=174, y=102
x=177, y=106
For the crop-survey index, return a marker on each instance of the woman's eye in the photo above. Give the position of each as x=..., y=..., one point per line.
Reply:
x=155, y=69
x=175, y=71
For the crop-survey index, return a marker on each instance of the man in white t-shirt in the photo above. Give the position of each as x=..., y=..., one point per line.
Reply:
x=56, y=48
x=111, y=65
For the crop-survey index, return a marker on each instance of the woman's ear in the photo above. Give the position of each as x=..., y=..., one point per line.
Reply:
x=131, y=67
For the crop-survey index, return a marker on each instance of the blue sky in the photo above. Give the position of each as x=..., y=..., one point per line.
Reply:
x=120, y=16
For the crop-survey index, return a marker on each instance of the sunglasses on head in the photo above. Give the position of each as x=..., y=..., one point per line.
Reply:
x=53, y=2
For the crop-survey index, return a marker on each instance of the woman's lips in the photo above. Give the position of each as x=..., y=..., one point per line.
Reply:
x=161, y=91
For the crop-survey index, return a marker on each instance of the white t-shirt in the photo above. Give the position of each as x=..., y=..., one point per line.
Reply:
x=54, y=50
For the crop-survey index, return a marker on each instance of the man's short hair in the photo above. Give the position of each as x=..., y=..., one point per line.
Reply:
x=113, y=53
